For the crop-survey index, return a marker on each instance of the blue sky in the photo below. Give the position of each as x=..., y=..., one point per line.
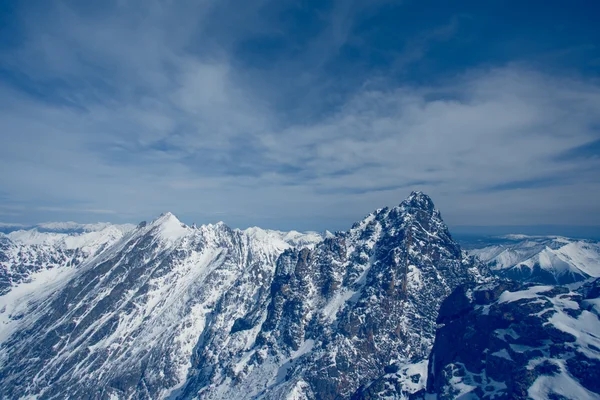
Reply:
x=299, y=114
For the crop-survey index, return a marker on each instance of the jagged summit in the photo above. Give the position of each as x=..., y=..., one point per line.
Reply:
x=420, y=200
x=416, y=203
x=169, y=227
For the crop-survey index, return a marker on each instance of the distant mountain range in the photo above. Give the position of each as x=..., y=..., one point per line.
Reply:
x=60, y=227
x=542, y=259
x=392, y=308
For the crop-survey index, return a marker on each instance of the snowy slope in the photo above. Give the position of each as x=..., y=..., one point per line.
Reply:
x=543, y=259
x=133, y=312
x=524, y=341
x=33, y=264
x=23, y=253
x=291, y=238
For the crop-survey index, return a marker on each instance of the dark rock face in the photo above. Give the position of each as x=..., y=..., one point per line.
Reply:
x=5, y=276
x=341, y=313
x=512, y=340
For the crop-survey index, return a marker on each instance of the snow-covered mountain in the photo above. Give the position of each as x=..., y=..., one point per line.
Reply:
x=27, y=252
x=172, y=311
x=337, y=315
x=164, y=310
x=61, y=227
x=120, y=295
x=542, y=259
x=293, y=238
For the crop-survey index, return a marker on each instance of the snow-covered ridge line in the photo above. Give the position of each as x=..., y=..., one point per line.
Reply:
x=543, y=259
x=70, y=239
x=44, y=231
x=201, y=298
x=293, y=238
x=522, y=236
x=25, y=252
x=61, y=227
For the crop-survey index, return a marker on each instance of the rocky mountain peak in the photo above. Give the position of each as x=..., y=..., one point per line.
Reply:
x=169, y=228
x=357, y=301
x=418, y=200
x=166, y=218
x=416, y=213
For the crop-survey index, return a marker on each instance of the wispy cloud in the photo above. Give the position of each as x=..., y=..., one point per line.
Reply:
x=132, y=110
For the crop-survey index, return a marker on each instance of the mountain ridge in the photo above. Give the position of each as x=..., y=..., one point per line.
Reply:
x=181, y=312
x=542, y=259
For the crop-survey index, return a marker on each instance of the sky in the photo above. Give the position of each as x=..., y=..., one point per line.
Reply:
x=299, y=114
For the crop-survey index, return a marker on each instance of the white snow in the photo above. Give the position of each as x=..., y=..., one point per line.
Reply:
x=170, y=228
x=530, y=293
x=90, y=239
x=335, y=304
x=593, y=304
x=70, y=225
x=559, y=256
x=407, y=371
x=34, y=237
x=17, y=302
x=298, y=391
x=172, y=311
x=415, y=279
x=585, y=328
x=460, y=383
x=12, y=225
x=284, y=239
x=562, y=383
x=502, y=354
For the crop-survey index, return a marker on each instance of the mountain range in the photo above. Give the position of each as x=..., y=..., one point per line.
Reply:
x=386, y=309
x=542, y=259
